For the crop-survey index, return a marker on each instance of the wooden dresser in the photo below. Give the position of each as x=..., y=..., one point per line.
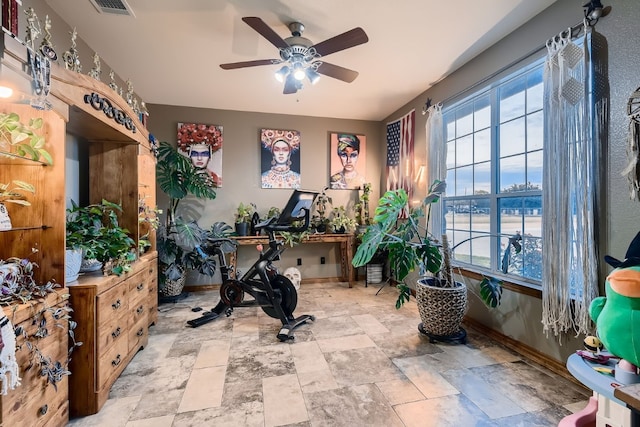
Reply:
x=36, y=402
x=113, y=315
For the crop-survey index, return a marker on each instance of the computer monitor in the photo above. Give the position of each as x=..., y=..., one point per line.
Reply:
x=293, y=211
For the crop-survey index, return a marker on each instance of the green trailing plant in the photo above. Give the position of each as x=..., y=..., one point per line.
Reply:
x=18, y=286
x=340, y=220
x=293, y=238
x=13, y=192
x=20, y=139
x=273, y=212
x=95, y=230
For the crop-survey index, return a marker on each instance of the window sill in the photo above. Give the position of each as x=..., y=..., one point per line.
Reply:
x=520, y=288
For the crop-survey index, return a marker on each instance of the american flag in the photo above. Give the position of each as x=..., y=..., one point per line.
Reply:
x=400, y=137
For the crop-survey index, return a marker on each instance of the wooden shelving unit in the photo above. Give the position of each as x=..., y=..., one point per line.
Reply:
x=113, y=313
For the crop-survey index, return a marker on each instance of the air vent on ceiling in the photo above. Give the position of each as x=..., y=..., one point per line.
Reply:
x=118, y=7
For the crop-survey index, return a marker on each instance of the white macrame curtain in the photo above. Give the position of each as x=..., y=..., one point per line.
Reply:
x=574, y=129
x=437, y=161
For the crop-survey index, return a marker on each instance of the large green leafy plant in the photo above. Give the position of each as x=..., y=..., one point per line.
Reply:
x=177, y=240
x=408, y=243
x=95, y=230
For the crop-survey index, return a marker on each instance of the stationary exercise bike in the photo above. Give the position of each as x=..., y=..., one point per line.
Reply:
x=274, y=293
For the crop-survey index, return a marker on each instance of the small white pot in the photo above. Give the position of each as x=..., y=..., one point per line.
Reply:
x=72, y=263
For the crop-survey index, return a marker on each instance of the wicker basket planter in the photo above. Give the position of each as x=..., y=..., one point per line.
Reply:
x=441, y=309
x=172, y=288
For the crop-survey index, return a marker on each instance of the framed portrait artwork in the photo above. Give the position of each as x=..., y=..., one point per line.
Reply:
x=202, y=144
x=280, y=158
x=347, y=161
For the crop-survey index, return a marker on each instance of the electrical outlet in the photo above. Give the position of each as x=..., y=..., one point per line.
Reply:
x=322, y=260
x=299, y=261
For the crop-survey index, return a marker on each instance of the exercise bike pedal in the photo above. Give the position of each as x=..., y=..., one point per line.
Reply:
x=286, y=334
x=228, y=311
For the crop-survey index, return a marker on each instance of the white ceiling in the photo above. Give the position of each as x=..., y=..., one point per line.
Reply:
x=171, y=50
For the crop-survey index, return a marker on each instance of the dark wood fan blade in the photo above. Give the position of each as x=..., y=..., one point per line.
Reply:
x=290, y=85
x=234, y=65
x=337, y=72
x=265, y=31
x=342, y=41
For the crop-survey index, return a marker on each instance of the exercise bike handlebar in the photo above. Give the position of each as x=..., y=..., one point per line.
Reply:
x=271, y=224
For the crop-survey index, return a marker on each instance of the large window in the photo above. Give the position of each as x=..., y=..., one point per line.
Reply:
x=493, y=204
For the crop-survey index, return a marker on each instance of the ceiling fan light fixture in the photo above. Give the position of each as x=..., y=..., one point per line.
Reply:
x=299, y=72
x=281, y=74
x=313, y=76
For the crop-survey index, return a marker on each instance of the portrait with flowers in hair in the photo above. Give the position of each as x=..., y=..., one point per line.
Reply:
x=280, y=158
x=202, y=144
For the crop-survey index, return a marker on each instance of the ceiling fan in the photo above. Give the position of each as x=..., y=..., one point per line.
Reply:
x=301, y=58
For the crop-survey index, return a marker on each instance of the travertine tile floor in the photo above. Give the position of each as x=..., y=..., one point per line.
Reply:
x=361, y=363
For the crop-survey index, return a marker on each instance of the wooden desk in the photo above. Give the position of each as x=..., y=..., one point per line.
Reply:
x=346, y=241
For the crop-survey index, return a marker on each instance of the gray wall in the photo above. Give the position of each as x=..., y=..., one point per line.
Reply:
x=241, y=172
x=519, y=315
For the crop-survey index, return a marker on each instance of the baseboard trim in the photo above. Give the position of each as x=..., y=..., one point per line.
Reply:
x=524, y=350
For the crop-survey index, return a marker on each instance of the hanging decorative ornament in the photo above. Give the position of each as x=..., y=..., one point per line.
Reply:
x=632, y=171
x=96, y=70
x=70, y=57
x=46, y=47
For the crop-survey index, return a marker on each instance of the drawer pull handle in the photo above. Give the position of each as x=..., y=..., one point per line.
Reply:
x=116, y=305
x=140, y=286
x=43, y=409
x=140, y=309
x=116, y=333
x=140, y=332
x=116, y=361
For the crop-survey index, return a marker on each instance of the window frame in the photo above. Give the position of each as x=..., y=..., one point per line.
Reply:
x=491, y=88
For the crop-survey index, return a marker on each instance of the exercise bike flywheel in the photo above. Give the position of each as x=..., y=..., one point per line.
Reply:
x=288, y=294
x=231, y=293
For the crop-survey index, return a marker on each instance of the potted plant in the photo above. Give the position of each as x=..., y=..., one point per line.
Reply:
x=340, y=222
x=178, y=178
x=441, y=300
x=181, y=251
x=94, y=229
x=243, y=215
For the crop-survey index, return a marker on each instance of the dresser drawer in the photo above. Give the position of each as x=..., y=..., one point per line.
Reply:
x=138, y=312
x=138, y=288
x=21, y=406
x=111, y=363
x=111, y=331
x=44, y=408
x=112, y=303
x=139, y=335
